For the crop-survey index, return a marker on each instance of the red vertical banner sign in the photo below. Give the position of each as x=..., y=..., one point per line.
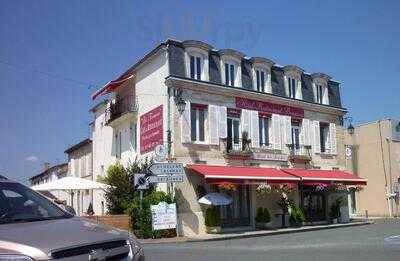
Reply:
x=151, y=129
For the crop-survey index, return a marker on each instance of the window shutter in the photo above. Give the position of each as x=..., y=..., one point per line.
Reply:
x=185, y=124
x=276, y=132
x=286, y=85
x=314, y=89
x=286, y=129
x=255, y=129
x=317, y=144
x=222, y=120
x=245, y=122
x=325, y=95
x=332, y=134
x=213, y=112
x=305, y=132
x=299, y=93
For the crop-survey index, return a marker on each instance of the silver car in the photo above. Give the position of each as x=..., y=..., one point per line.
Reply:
x=33, y=228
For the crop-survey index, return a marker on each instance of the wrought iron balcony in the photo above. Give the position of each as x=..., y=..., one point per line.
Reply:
x=123, y=106
x=240, y=148
x=299, y=153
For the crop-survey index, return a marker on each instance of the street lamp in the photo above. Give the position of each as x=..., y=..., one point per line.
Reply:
x=180, y=104
x=350, y=129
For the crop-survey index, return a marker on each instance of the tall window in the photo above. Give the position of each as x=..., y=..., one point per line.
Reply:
x=118, y=144
x=292, y=87
x=264, y=131
x=133, y=135
x=197, y=123
x=323, y=135
x=295, y=136
x=229, y=74
x=319, y=93
x=260, y=77
x=233, y=133
x=195, y=67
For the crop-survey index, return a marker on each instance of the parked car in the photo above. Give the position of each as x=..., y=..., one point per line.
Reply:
x=34, y=228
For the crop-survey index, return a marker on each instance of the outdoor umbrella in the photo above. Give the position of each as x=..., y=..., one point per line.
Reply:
x=69, y=183
x=216, y=199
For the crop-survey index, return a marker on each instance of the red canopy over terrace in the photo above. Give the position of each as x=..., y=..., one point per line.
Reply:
x=326, y=176
x=111, y=86
x=242, y=175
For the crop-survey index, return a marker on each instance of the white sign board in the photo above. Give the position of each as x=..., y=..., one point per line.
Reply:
x=163, y=216
x=270, y=156
x=167, y=168
x=395, y=130
x=166, y=179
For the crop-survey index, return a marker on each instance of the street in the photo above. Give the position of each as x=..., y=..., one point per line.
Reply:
x=351, y=243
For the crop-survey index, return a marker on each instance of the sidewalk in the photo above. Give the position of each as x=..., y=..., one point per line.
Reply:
x=254, y=233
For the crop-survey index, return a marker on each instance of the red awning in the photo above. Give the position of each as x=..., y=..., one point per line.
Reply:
x=326, y=176
x=242, y=175
x=110, y=86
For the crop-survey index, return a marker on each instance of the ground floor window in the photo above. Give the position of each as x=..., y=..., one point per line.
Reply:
x=314, y=205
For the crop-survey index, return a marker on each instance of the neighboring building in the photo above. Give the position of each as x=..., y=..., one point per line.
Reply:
x=80, y=165
x=373, y=152
x=230, y=119
x=50, y=174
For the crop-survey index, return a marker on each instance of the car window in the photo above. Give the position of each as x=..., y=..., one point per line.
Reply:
x=19, y=203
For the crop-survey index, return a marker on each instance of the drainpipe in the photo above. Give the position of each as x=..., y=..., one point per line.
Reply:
x=169, y=132
x=384, y=170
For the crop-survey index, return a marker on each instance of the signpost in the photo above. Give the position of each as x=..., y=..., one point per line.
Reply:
x=167, y=168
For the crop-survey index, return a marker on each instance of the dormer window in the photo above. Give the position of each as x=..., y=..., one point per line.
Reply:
x=292, y=87
x=231, y=70
x=196, y=59
x=262, y=74
x=320, y=88
x=292, y=81
x=229, y=74
x=195, y=67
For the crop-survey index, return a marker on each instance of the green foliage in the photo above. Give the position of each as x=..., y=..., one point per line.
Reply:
x=297, y=216
x=141, y=218
x=335, y=208
x=120, y=191
x=263, y=215
x=212, y=217
x=284, y=203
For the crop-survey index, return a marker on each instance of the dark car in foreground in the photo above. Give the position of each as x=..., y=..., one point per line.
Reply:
x=34, y=228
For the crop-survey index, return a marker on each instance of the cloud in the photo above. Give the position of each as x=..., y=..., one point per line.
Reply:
x=32, y=158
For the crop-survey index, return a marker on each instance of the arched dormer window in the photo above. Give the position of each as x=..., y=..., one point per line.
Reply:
x=262, y=74
x=196, y=59
x=292, y=81
x=320, y=88
x=231, y=67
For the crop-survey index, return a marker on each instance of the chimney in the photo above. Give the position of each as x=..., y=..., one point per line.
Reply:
x=46, y=166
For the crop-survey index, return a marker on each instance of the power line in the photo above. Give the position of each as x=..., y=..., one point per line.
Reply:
x=48, y=74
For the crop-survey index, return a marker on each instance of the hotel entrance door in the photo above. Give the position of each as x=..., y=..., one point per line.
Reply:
x=237, y=213
x=314, y=205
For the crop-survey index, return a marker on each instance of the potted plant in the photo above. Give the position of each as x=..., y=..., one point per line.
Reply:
x=297, y=216
x=246, y=141
x=284, y=203
x=263, y=217
x=212, y=221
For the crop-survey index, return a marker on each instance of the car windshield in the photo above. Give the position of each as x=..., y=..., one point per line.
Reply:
x=20, y=204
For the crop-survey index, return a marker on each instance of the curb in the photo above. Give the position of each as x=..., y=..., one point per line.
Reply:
x=258, y=234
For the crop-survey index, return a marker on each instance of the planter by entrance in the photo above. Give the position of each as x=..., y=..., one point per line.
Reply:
x=213, y=230
x=334, y=221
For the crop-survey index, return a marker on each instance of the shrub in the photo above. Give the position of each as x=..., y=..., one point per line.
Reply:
x=141, y=218
x=212, y=217
x=297, y=216
x=263, y=215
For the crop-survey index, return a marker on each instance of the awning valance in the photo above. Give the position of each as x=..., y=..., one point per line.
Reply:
x=110, y=86
x=246, y=175
x=326, y=176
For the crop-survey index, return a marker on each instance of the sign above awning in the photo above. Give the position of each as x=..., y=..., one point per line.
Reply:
x=244, y=175
x=111, y=86
x=326, y=176
x=261, y=106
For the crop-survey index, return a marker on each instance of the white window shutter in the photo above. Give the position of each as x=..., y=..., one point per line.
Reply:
x=286, y=84
x=332, y=134
x=185, y=124
x=299, y=93
x=305, y=132
x=276, y=130
x=314, y=89
x=286, y=129
x=222, y=119
x=213, y=124
x=317, y=144
x=325, y=95
x=255, y=128
x=245, y=121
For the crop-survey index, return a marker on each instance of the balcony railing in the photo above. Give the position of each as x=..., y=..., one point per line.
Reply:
x=299, y=152
x=120, y=107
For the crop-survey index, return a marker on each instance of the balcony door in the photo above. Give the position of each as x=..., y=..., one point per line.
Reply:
x=296, y=137
x=233, y=139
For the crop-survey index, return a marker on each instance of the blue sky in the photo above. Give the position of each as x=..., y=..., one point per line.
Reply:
x=54, y=54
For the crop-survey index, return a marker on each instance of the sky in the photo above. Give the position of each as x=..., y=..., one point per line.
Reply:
x=55, y=54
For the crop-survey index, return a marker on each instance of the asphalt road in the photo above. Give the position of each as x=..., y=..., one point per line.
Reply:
x=376, y=242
